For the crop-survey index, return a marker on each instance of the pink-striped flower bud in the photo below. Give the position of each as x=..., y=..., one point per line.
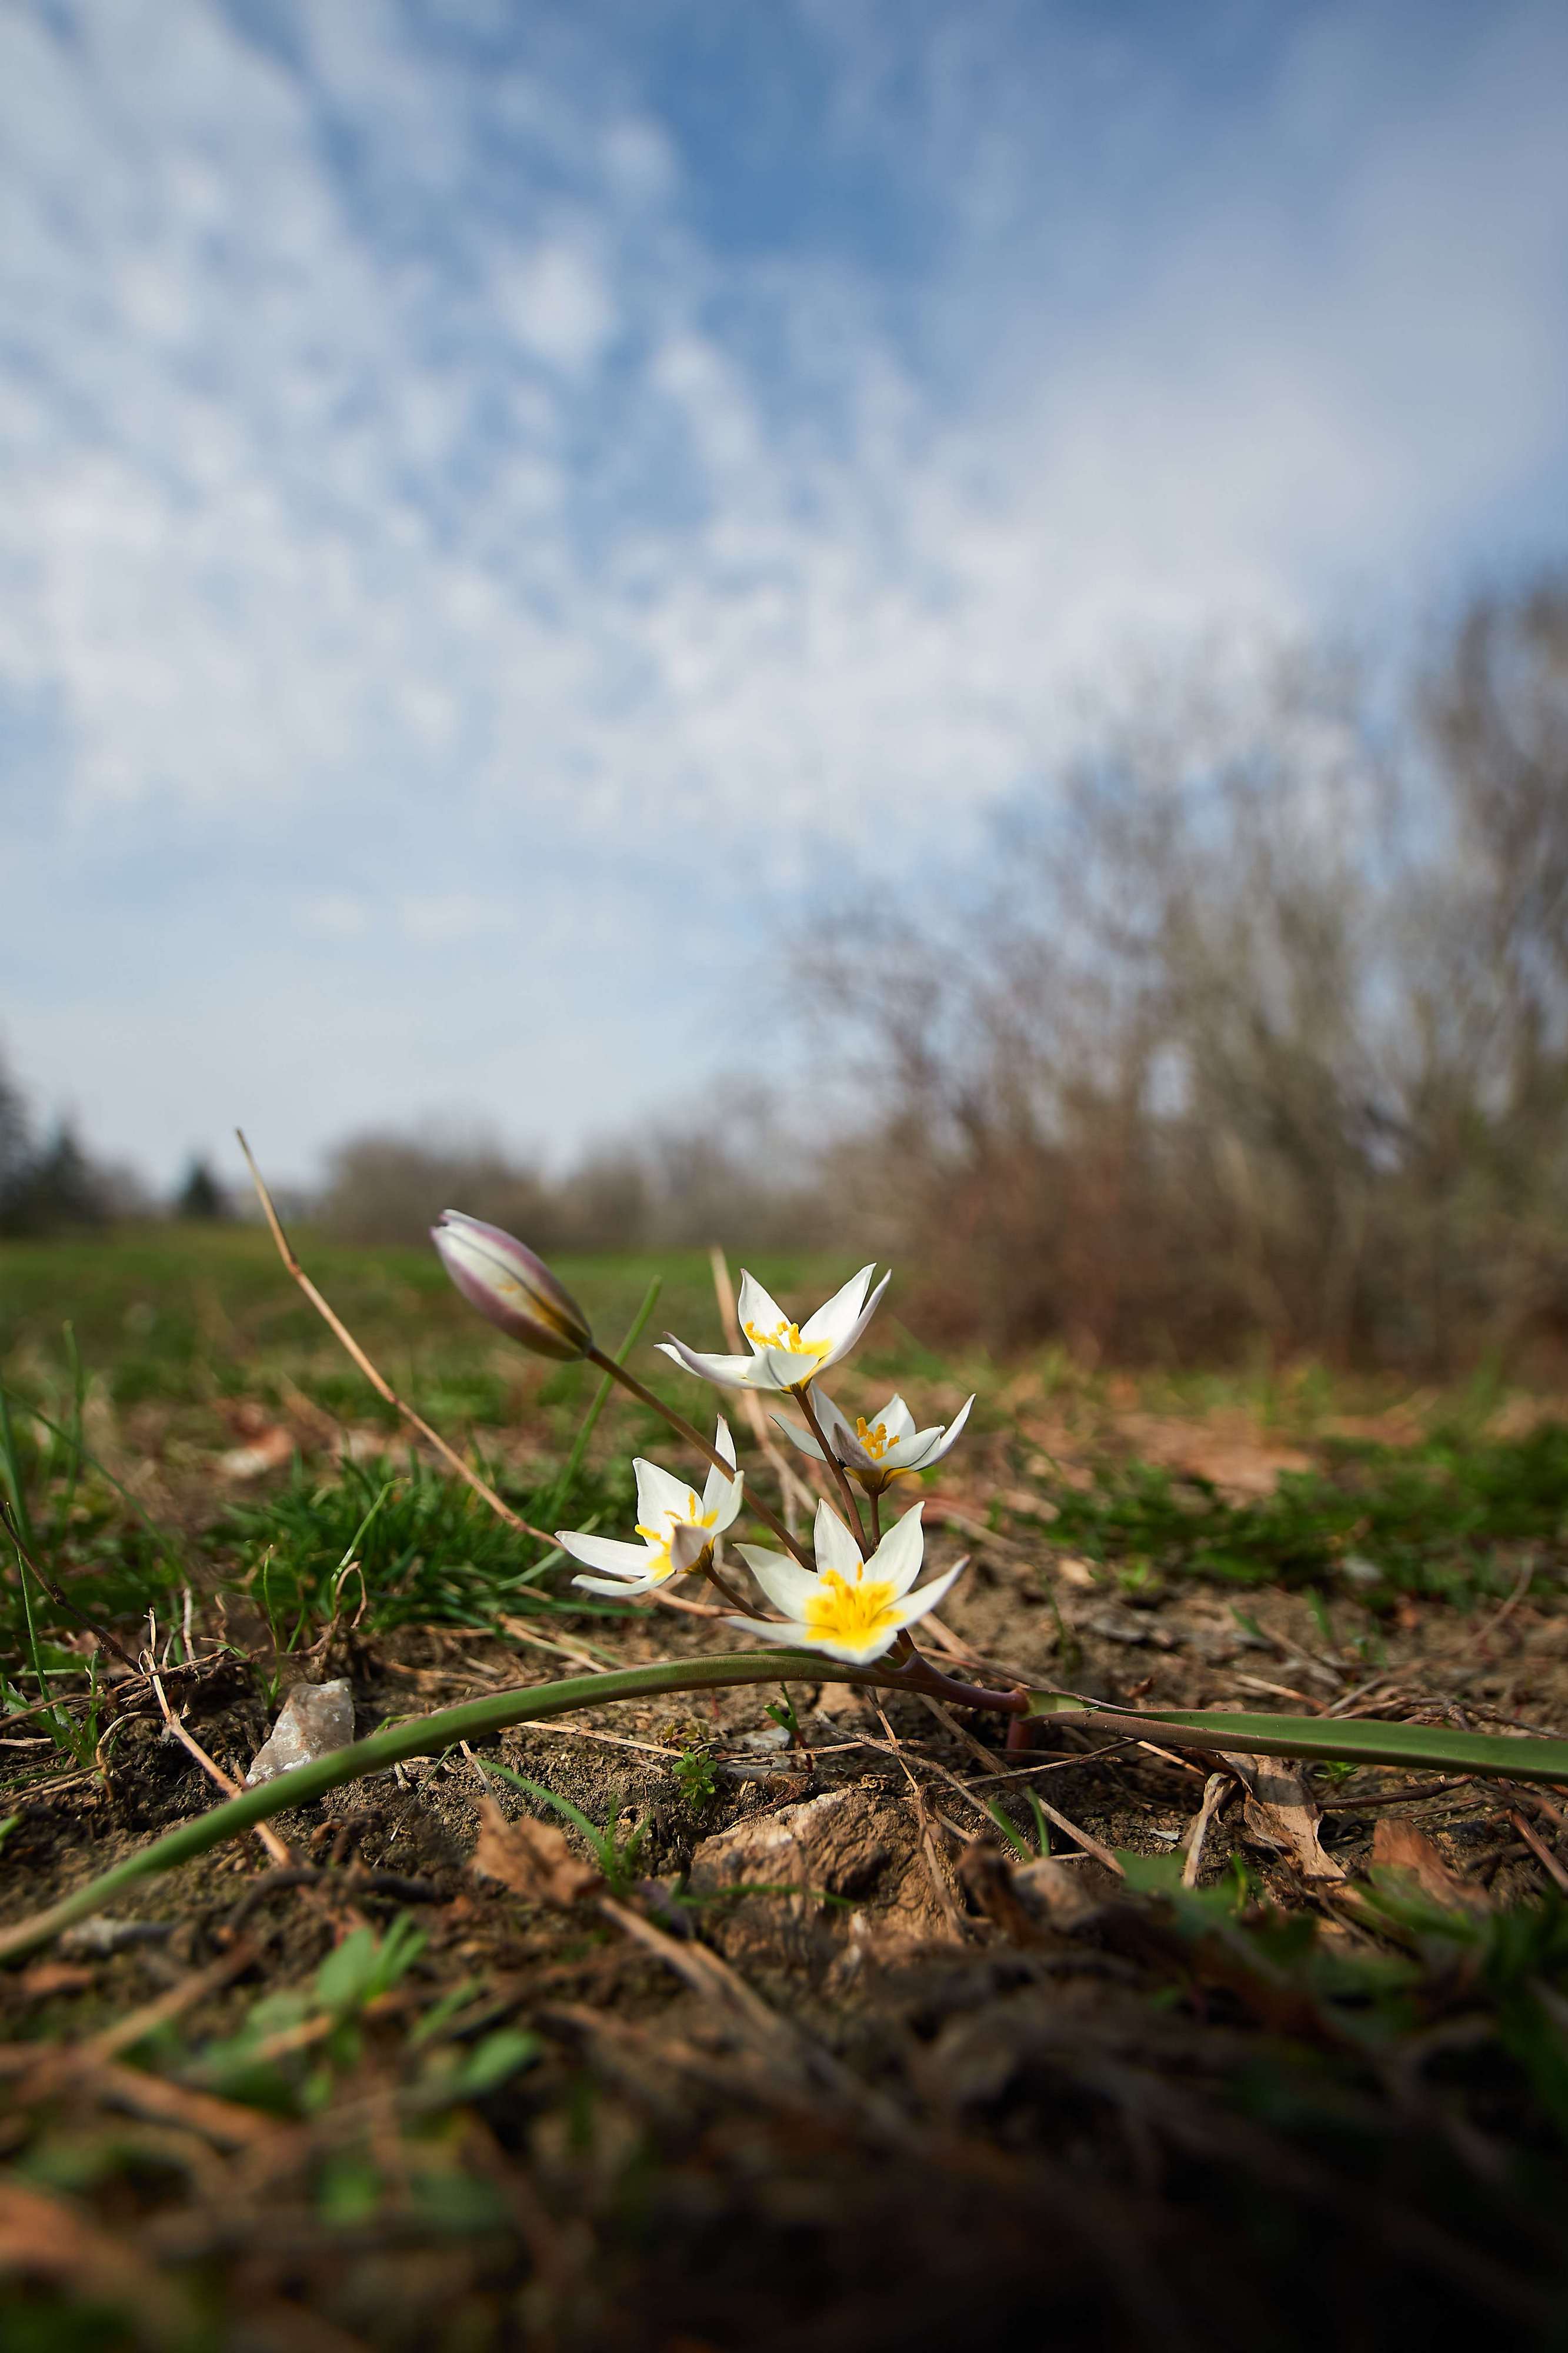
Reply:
x=501, y=1277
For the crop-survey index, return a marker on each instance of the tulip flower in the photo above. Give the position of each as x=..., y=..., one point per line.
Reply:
x=676, y=1527
x=876, y=1452
x=785, y=1356
x=502, y=1278
x=852, y=1608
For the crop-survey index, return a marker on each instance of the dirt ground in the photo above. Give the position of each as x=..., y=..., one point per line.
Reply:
x=821, y=2054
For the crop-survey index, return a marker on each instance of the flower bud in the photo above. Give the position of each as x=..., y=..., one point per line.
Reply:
x=510, y=1287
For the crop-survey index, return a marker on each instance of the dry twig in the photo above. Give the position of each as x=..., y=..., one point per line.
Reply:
x=378, y=1381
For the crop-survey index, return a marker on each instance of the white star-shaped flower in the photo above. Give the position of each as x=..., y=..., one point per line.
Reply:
x=852, y=1608
x=877, y=1449
x=785, y=1356
x=676, y=1524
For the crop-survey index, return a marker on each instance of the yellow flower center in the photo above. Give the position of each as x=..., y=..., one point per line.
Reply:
x=874, y=1438
x=658, y=1540
x=786, y=1335
x=840, y=1612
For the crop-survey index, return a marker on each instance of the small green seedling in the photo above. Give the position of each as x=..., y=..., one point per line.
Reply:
x=617, y=1857
x=694, y=1769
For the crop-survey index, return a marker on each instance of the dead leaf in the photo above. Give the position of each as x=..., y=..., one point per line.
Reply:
x=533, y=1859
x=269, y=1451
x=1280, y=1812
x=1400, y=1846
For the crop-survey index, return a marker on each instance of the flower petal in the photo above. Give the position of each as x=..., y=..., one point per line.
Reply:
x=915, y=1605
x=772, y=1630
x=759, y=1309
x=896, y=1560
x=841, y=1348
x=724, y=1372
x=896, y=1418
x=836, y=1316
x=949, y=1437
x=787, y=1586
x=661, y=1496
x=834, y=1546
x=687, y=1547
x=604, y=1552
x=799, y=1437
x=912, y=1453
x=838, y=1431
x=618, y=1588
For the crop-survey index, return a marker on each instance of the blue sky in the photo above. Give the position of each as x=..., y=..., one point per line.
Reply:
x=498, y=502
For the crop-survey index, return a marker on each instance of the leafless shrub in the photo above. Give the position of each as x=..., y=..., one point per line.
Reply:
x=1264, y=1034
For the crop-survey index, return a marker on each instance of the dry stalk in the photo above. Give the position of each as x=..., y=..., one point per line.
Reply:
x=377, y=1380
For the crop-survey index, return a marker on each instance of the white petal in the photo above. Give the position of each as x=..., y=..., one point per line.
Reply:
x=724, y=1372
x=721, y=1495
x=618, y=1588
x=898, y=1558
x=835, y=1318
x=727, y=1496
x=853, y=1654
x=687, y=1547
x=852, y=1337
x=799, y=1437
x=950, y=1437
x=786, y=1369
x=771, y=1631
x=834, y=1546
x=787, y=1586
x=912, y=1454
x=758, y=1308
x=660, y=1494
x=838, y=1431
x=604, y=1552
x=915, y=1605
x=896, y=1418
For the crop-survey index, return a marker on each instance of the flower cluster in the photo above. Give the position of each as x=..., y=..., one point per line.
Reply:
x=853, y=1598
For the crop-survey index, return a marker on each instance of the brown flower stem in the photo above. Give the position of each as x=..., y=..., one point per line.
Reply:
x=705, y=1447
x=802, y=1397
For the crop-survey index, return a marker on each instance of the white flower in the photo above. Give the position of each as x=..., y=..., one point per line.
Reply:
x=676, y=1524
x=785, y=1356
x=876, y=1451
x=852, y=1608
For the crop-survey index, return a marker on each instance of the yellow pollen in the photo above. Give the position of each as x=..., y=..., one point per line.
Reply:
x=659, y=1540
x=840, y=1612
x=874, y=1440
x=786, y=1335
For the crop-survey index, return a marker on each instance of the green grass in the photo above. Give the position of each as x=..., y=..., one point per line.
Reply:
x=119, y=1349
x=1428, y=1519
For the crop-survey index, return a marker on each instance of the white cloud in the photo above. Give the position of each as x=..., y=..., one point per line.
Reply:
x=467, y=515
x=558, y=305
x=332, y=915
x=450, y=917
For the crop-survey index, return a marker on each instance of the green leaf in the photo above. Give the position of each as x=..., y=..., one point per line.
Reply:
x=1425, y=1747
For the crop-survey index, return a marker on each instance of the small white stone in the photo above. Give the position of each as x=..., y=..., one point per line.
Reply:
x=314, y=1719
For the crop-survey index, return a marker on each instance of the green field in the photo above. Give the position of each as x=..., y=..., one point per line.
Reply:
x=372, y=2085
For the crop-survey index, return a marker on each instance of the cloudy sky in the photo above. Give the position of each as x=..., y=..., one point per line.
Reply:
x=498, y=496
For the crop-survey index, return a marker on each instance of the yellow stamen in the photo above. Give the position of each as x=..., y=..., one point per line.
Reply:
x=840, y=1612
x=658, y=1540
x=786, y=1336
x=874, y=1440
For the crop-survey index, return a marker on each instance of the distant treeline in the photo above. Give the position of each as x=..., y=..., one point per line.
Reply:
x=1255, y=1034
